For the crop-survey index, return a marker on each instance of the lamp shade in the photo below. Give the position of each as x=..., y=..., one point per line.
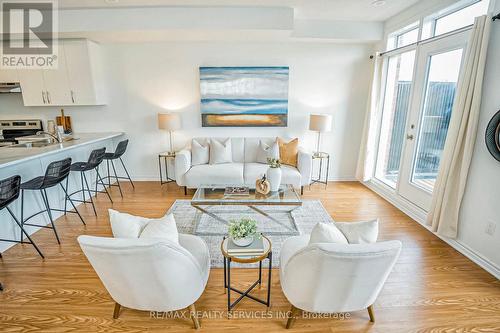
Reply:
x=320, y=122
x=169, y=121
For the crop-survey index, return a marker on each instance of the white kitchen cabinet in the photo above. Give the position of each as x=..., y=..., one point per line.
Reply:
x=83, y=63
x=9, y=75
x=32, y=87
x=77, y=80
x=56, y=82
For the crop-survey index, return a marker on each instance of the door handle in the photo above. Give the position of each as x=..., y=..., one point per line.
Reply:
x=43, y=97
x=409, y=136
x=72, y=96
x=48, y=98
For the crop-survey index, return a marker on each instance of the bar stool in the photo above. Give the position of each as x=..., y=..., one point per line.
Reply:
x=55, y=174
x=9, y=192
x=110, y=157
x=95, y=159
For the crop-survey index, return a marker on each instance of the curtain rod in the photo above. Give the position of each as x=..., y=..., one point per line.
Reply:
x=427, y=40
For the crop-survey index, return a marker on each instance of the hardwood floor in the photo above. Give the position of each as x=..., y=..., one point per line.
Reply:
x=432, y=288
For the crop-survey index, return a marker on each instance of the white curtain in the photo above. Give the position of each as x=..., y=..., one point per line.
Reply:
x=457, y=154
x=366, y=157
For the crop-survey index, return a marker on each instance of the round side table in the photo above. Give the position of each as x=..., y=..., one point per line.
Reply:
x=243, y=259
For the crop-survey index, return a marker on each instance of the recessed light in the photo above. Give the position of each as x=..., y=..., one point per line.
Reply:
x=378, y=3
x=111, y=1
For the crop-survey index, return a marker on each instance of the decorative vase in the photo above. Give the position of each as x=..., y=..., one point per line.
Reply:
x=274, y=178
x=243, y=241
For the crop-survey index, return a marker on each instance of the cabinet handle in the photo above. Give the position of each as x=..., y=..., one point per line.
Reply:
x=48, y=98
x=72, y=96
x=43, y=97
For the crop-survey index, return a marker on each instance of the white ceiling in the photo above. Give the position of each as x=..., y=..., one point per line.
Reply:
x=355, y=10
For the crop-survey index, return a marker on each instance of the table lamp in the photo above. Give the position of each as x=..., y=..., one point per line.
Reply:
x=320, y=123
x=170, y=122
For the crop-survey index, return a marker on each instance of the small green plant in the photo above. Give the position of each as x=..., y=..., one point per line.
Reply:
x=242, y=228
x=273, y=162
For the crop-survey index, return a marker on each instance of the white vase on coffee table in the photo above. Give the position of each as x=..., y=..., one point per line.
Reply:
x=274, y=178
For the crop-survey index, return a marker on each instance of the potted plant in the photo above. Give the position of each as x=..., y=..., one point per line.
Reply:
x=274, y=173
x=242, y=231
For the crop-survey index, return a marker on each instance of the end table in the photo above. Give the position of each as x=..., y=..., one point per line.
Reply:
x=246, y=260
x=165, y=156
x=321, y=156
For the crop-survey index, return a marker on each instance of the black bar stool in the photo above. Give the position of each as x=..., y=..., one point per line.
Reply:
x=9, y=192
x=95, y=159
x=55, y=174
x=110, y=157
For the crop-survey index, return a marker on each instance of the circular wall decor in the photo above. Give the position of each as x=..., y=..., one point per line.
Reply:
x=492, y=136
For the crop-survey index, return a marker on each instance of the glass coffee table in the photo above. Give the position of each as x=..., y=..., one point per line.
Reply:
x=209, y=196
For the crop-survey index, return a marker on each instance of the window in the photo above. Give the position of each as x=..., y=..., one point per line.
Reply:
x=403, y=37
x=454, y=17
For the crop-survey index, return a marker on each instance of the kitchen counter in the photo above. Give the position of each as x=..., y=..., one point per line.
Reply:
x=13, y=155
x=32, y=162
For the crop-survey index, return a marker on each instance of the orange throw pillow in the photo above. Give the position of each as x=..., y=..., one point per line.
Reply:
x=289, y=151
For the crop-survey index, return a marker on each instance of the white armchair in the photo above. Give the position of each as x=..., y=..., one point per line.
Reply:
x=332, y=278
x=150, y=274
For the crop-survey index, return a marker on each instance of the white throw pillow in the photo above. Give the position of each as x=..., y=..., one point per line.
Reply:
x=359, y=232
x=327, y=233
x=265, y=151
x=220, y=152
x=199, y=152
x=124, y=225
x=163, y=227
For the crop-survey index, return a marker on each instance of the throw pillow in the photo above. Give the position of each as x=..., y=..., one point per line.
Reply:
x=124, y=225
x=289, y=151
x=327, y=233
x=220, y=152
x=359, y=232
x=265, y=151
x=163, y=227
x=199, y=152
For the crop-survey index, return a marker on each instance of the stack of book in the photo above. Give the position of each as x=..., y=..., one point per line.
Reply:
x=237, y=190
x=252, y=250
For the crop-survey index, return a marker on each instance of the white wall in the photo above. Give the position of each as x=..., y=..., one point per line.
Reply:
x=481, y=203
x=148, y=78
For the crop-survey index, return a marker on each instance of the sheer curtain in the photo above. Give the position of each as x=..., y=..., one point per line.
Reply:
x=457, y=154
x=366, y=157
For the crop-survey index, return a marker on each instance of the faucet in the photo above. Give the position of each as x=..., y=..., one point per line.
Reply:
x=57, y=138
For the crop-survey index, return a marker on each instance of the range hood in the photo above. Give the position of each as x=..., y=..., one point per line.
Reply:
x=10, y=87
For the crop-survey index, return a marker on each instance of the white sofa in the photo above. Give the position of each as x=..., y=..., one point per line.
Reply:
x=244, y=168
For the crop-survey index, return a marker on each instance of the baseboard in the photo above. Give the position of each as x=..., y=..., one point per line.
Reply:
x=419, y=215
x=413, y=211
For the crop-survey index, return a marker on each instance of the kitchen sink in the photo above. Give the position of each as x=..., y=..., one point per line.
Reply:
x=36, y=144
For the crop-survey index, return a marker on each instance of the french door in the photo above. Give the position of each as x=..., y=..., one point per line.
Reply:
x=416, y=116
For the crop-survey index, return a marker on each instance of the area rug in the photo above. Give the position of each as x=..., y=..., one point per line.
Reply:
x=191, y=221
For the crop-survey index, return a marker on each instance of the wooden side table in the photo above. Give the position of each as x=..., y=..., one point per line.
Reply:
x=246, y=260
x=321, y=156
x=165, y=156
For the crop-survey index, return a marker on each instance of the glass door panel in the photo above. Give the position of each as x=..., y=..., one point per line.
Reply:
x=442, y=78
x=395, y=109
x=438, y=69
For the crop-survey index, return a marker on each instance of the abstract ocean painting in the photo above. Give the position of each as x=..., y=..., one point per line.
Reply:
x=244, y=96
